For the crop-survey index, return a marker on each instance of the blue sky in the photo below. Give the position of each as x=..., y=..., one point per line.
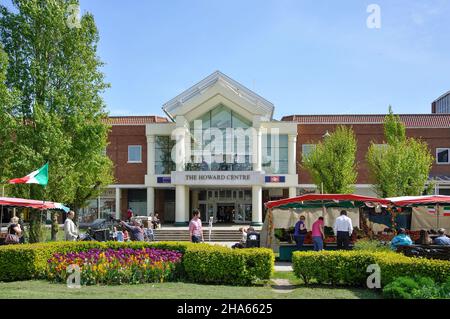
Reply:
x=307, y=57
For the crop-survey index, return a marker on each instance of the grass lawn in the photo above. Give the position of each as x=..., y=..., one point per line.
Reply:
x=46, y=290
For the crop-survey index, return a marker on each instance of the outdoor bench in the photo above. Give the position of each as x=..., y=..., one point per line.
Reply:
x=427, y=251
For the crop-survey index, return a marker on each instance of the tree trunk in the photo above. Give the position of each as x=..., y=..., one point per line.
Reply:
x=36, y=233
x=55, y=225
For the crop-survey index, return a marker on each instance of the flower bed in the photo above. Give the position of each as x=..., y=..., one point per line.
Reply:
x=115, y=267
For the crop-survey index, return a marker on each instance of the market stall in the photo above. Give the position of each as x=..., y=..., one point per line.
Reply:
x=284, y=213
x=29, y=203
x=428, y=212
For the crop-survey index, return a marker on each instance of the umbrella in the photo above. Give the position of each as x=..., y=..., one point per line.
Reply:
x=31, y=203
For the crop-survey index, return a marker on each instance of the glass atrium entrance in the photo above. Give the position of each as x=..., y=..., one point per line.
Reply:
x=225, y=206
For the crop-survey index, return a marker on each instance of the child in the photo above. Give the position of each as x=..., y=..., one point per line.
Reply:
x=126, y=236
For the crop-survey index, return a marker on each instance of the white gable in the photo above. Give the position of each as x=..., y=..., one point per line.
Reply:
x=219, y=87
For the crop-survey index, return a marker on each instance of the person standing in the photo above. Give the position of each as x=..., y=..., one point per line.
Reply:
x=135, y=230
x=129, y=214
x=343, y=229
x=300, y=232
x=70, y=230
x=195, y=227
x=318, y=234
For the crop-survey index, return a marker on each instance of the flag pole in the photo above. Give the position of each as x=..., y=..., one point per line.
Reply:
x=1, y=214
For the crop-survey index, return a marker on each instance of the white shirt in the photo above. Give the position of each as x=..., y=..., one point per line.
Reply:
x=70, y=230
x=343, y=223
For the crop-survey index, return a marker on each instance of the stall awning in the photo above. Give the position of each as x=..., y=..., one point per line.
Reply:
x=326, y=200
x=420, y=200
x=31, y=203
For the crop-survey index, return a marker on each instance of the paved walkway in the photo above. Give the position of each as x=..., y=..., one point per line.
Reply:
x=283, y=266
x=282, y=286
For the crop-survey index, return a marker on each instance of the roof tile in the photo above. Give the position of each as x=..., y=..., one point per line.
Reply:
x=410, y=120
x=135, y=120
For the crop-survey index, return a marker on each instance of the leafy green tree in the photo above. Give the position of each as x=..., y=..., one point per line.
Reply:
x=8, y=99
x=332, y=162
x=60, y=115
x=400, y=167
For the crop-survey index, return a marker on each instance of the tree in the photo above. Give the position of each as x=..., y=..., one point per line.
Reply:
x=60, y=117
x=332, y=162
x=8, y=99
x=400, y=167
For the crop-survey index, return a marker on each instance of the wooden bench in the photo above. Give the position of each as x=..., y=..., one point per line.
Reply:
x=427, y=251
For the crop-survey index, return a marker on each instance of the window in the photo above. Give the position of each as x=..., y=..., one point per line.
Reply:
x=307, y=149
x=163, y=155
x=442, y=156
x=232, y=153
x=134, y=154
x=275, y=154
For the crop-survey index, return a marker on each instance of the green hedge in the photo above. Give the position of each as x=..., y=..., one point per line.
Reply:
x=29, y=261
x=201, y=262
x=221, y=265
x=349, y=267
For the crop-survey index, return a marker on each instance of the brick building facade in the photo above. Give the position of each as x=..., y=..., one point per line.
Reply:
x=147, y=181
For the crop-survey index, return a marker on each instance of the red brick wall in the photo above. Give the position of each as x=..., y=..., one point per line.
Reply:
x=365, y=134
x=119, y=139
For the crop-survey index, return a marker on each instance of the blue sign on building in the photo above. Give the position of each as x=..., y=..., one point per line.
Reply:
x=275, y=179
x=163, y=180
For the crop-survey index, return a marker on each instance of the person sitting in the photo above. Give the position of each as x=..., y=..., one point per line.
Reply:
x=253, y=238
x=424, y=238
x=402, y=239
x=118, y=235
x=126, y=236
x=14, y=232
x=442, y=239
x=243, y=241
x=156, y=222
x=149, y=235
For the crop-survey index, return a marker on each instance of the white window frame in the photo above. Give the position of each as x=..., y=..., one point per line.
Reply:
x=442, y=149
x=135, y=162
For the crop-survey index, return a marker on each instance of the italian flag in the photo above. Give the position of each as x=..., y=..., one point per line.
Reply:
x=39, y=176
x=446, y=211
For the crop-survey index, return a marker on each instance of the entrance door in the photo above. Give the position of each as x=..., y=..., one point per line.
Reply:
x=225, y=212
x=243, y=213
x=206, y=211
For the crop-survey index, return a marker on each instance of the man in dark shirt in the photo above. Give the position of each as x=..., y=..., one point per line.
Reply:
x=136, y=231
x=252, y=238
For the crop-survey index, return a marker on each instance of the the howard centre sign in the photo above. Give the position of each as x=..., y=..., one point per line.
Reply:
x=217, y=178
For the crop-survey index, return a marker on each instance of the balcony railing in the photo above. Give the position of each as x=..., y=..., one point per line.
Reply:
x=237, y=167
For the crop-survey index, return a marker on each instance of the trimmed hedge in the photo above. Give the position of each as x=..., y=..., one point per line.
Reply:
x=221, y=265
x=29, y=261
x=349, y=267
x=201, y=262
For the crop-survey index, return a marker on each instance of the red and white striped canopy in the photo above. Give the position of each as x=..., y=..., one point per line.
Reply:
x=419, y=200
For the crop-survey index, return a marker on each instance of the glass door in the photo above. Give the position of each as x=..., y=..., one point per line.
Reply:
x=243, y=213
